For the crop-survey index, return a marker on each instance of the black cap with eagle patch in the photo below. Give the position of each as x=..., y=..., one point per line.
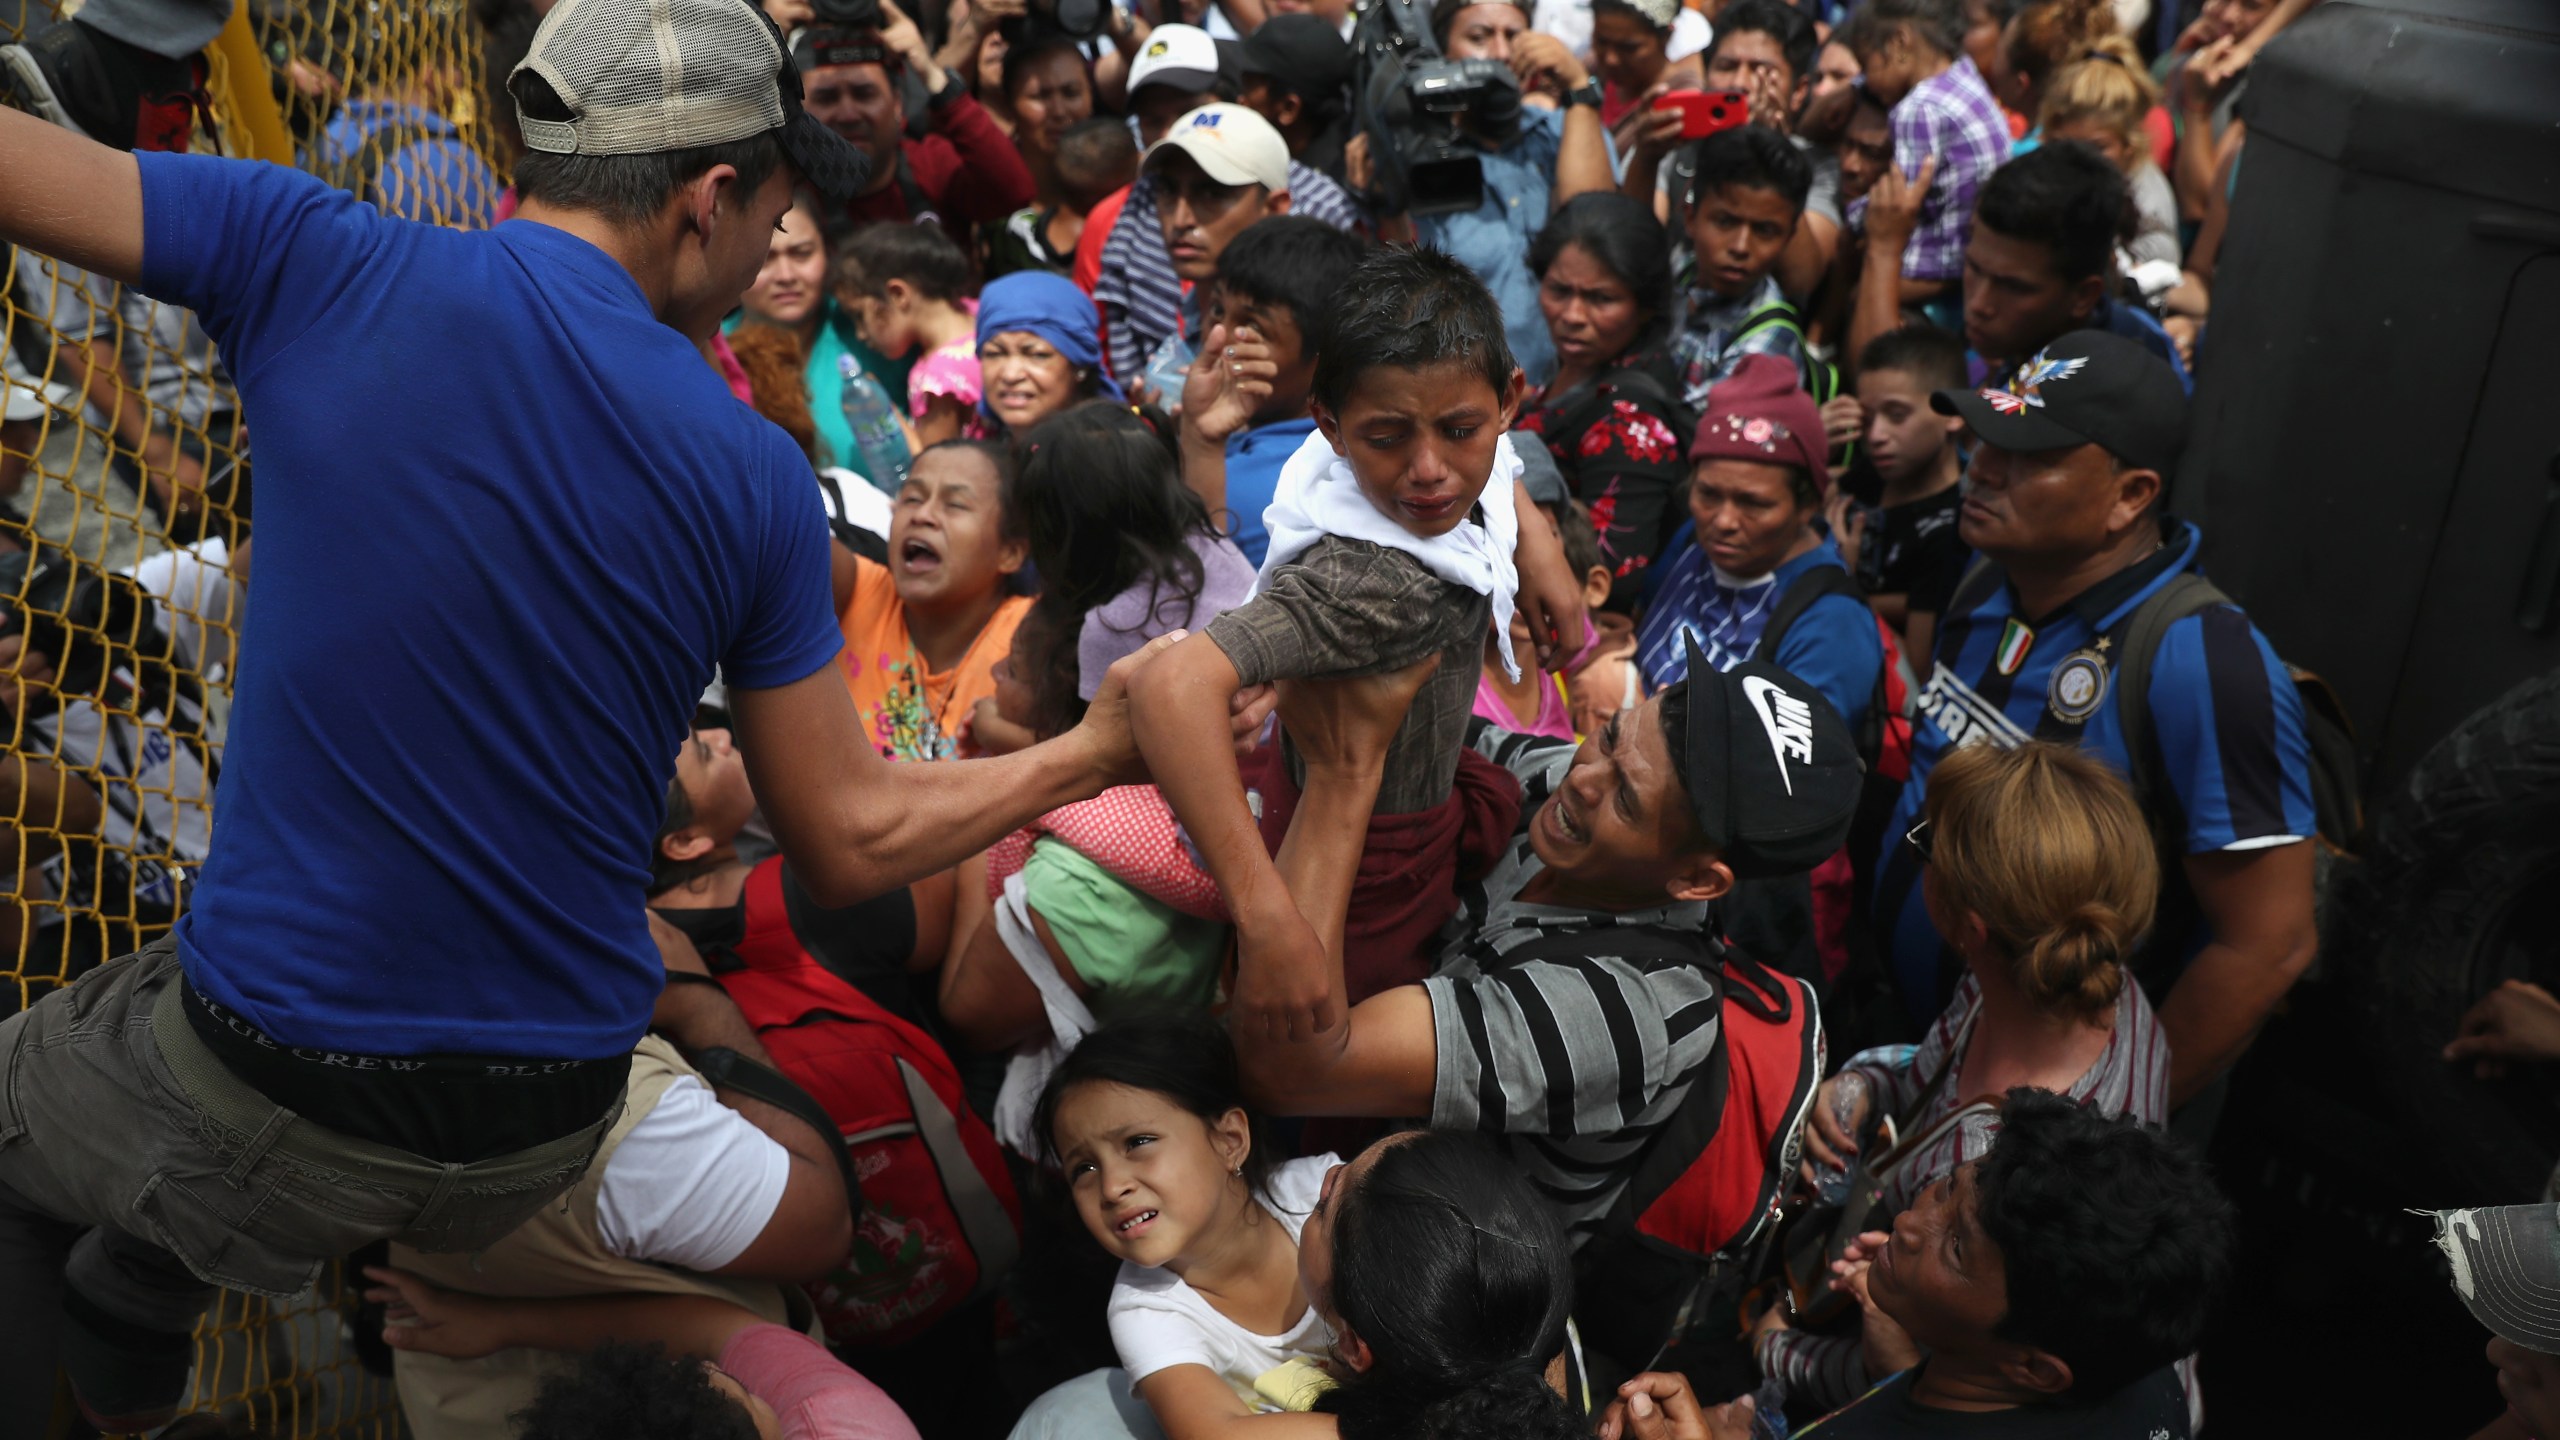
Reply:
x=1773, y=774
x=2087, y=388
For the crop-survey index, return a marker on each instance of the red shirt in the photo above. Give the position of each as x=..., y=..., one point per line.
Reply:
x=966, y=171
x=1097, y=228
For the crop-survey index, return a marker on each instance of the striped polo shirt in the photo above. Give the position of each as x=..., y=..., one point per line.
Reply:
x=2224, y=715
x=1570, y=1064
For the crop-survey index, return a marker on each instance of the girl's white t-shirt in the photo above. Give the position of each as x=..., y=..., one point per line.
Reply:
x=1158, y=1322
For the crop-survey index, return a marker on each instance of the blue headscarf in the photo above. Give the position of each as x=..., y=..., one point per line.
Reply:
x=1050, y=306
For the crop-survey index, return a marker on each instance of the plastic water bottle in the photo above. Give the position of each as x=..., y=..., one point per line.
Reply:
x=1169, y=369
x=874, y=422
x=1849, y=1095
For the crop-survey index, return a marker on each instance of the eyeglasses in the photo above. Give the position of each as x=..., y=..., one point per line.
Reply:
x=1917, y=837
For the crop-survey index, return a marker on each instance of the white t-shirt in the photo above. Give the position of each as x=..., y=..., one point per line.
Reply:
x=1158, y=1322
x=693, y=1184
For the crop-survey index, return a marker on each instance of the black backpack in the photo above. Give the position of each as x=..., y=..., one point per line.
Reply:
x=2328, y=735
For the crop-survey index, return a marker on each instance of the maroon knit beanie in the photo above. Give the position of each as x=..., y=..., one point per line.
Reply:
x=1760, y=412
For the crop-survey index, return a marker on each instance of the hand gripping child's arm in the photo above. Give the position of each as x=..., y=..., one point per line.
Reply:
x=1178, y=709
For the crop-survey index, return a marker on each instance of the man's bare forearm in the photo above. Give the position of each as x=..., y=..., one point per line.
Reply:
x=1582, y=157
x=70, y=197
x=923, y=817
x=1178, y=711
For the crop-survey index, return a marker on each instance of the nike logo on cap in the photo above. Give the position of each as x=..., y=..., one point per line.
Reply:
x=1788, y=720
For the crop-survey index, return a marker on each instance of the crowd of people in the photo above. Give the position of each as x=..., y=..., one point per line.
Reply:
x=992, y=720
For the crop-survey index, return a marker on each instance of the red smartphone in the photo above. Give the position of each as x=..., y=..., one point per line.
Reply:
x=1704, y=112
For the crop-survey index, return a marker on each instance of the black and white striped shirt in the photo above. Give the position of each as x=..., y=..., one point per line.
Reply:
x=1572, y=1063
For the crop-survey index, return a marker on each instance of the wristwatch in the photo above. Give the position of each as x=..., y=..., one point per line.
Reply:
x=1589, y=92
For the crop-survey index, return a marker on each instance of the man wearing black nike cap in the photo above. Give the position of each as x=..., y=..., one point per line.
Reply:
x=404, y=1001
x=2083, y=577
x=1550, y=1024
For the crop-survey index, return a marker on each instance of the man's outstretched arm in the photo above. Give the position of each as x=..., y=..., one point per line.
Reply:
x=855, y=824
x=70, y=197
x=1382, y=1060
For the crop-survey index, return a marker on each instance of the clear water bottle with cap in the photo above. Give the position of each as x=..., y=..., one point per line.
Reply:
x=1169, y=369
x=873, y=418
x=1849, y=1095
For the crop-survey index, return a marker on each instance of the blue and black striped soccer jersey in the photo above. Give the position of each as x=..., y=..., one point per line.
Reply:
x=2228, y=725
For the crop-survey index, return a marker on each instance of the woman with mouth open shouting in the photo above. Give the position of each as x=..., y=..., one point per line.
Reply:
x=1039, y=351
x=923, y=632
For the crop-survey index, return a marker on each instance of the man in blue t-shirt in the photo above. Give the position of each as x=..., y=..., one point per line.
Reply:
x=2063, y=506
x=2042, y=257
x=509, y=523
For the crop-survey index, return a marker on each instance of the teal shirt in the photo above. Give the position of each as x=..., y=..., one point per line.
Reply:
x=827, y=353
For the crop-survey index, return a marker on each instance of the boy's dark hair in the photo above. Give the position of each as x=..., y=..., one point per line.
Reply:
x=628, y=190
x=1457, y=1274
x=1938, y=24
x=1101, y=501
x=1095, y=157
x=2116, y=1243
x=2065, y=196
x=1621, y=233
x=1754, y=157
x=925, y=256
x=1934, y=356
x=1292, y=261
x=1189, y=1059
x=633, y=1392
x=1581, y=542
x=1409, y=307
x=1018, y=59
x=1785, y=24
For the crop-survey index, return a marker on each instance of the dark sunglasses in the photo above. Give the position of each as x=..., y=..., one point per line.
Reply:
x=1917, y=837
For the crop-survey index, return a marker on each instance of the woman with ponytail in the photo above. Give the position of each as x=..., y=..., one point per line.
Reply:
x=2104, y=99
x=2040, y=872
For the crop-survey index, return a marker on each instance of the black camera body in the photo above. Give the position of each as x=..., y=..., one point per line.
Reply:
x=1423, y=112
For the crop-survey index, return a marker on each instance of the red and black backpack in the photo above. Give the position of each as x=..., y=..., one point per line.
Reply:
x=1705, y=1196
x=936, y=1219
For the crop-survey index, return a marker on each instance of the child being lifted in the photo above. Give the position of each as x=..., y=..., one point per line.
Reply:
x=1395, y=537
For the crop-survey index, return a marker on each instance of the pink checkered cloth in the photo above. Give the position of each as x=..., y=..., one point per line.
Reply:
x=1129, y=831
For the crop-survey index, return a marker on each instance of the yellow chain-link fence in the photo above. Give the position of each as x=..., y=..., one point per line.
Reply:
x=126, y=542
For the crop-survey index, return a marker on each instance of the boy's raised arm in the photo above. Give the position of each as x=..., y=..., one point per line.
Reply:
x=1178, y=710
x=70, y=197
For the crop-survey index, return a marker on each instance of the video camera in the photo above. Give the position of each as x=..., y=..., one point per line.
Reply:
x=1419, y=108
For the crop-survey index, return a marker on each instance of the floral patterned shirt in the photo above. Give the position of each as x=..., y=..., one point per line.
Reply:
x=1621, y=443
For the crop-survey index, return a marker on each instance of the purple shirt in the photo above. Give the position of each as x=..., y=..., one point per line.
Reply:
x=1122, y=625
x=1950, y=115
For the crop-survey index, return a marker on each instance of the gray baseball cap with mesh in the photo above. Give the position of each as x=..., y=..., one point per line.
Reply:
x=642, y=77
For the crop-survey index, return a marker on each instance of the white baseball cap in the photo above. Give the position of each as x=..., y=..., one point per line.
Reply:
x=1232, y=145
x=1182, y=56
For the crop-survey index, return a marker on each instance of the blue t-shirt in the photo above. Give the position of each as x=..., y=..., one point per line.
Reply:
x=1493, y=238
x=507, y=523
x=2223, y=710
x=1254, y=458
x=1833, y=646
x=422, y=171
